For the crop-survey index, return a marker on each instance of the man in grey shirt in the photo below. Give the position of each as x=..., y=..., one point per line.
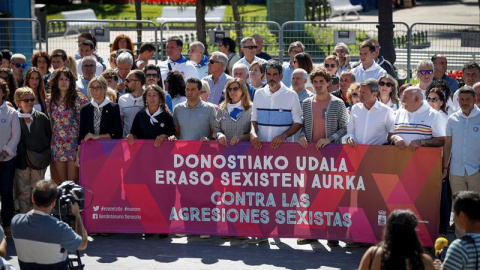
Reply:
x=193, y=118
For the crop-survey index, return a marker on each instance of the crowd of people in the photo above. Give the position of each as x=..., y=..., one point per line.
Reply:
x=64, y=100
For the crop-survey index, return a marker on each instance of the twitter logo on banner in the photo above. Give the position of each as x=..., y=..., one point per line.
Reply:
x=96, y=207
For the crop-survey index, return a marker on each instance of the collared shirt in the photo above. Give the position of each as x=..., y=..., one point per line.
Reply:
x=373, y=72
x=202, y=67
x=370, y=126
x=421, y=124
x=129, y=107
x=275, y=112
x=244, y=61
x=465, y=133
x=287, y=74
x=98, y=68
x=452, y=83
x=82, y=85
x=217, y=89
x=194, y=123
x=10, y=130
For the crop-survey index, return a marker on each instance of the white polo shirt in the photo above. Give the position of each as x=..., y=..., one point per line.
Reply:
x=275, y=112
x=370, y=126
x=129, y=107
x=184, y=66
x=373, y=72
x=421, y=124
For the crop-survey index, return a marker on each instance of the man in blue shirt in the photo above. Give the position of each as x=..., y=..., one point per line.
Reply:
x=440, y=68
x=41, y=240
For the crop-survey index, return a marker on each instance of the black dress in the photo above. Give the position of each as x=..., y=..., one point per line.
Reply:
x=110, y=123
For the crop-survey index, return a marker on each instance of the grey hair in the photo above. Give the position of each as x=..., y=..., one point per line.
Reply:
x=239, y=66
x=221, y=57
x=348, y=72
x=302, y=71
x=88, y=58
x=415, y=90
x=245, y=39
x=372, y=84
x=296, y=44
x=125, y=57
x=198, y=44
x=103, y=83
x=425, y=63
x=342, y=45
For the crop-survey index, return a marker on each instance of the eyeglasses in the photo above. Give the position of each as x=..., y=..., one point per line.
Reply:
x=19, y=65
x=151, y=75
x=127, y=80
x=96, y=88
x=423, y=72
x=28, y=100
x=233, y=89
x=329, y=65
x=250, y=47
x=213, y=61
x=433, y=100
x=388, y=84
x=355, y=95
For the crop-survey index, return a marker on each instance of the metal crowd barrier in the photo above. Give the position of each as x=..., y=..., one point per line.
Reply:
x=20, y=35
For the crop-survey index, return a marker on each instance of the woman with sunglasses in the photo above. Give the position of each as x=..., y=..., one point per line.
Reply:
x=100, y=119
x=33, y=79
x=304, y=61
x=41, y=60
x=63, y=108
x=154, y=121
x=257, y=74
x=331, y=64
x=7, y=75
x=36, y=134
x=424, y=75
x=388, y=91
x=353, y=95
x=233, y=118
x=154, y=76
x=9, y=138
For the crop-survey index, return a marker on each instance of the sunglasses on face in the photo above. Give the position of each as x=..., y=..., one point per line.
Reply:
x=433, y=100
x=151, y=75
x=28, y=100
x=233, y=89
x=388, y=84
x=213, y=61
x=19, y=65
x=250, y=47
x=329, y=65
x=423, y=72
x=127, y=80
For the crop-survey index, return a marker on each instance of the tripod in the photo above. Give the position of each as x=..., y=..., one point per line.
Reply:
x=73, y=258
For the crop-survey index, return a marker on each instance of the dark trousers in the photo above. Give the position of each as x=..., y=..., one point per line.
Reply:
x=7, y=171
x=445, y=207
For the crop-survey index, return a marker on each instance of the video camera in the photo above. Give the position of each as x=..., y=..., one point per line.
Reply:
x=65, y=199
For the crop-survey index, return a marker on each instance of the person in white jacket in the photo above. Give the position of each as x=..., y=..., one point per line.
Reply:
x=368, y=69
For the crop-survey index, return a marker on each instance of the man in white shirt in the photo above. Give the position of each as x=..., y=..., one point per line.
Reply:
x=132, y=102
x=416, y=123
x=368, y=69
x=88, y=70
x=370, y=120
x=176, y=61
x=198, y=59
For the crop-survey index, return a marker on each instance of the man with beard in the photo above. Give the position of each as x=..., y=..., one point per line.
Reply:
x=132, y=102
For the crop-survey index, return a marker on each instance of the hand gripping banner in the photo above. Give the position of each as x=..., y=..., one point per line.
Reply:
x=193, y=187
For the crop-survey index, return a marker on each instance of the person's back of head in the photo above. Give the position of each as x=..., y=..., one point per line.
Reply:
x=44, y=193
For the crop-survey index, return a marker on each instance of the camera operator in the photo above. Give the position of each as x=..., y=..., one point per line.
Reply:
x=41, y=240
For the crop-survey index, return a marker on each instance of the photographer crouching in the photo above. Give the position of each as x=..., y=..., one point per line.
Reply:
x=42, y=241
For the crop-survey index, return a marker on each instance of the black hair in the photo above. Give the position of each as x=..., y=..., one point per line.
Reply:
x=467, y=202
x=44, y=193
x=195, y=80
x=230, y=43
x=275, y=65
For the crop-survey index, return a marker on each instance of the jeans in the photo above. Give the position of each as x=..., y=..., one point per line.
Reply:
x=7, y=170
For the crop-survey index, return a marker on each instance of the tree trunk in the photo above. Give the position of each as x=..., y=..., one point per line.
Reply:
x=138, y=13
x=236, y=18
x=385, y=31
x=307, y=18
x=314, y=7
x=200, y=26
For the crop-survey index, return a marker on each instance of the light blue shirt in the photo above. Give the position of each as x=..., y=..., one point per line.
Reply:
x=465, y=133
x=287, y=74
x=216, y=89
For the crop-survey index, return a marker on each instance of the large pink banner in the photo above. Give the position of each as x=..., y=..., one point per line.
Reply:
x=337, y=193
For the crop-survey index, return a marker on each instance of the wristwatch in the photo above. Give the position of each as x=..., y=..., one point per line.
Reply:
x=331, y=138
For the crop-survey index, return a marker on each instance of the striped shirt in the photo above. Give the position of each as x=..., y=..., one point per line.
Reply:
x=421, y=124
x=463, y=253
x=275, y=112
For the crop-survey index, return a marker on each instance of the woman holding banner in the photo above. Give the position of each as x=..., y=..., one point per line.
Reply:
x=400, y=248
x=154, y=121
x=100, y=119
x=233, y=118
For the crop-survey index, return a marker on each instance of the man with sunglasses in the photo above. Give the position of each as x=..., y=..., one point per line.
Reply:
x=132, y=102
x=249, y=49
x=153, y=76
x=368, y=69
x=18, y=65
x=416, y=123
x=217, y=79
x=294, y=48
x=425, y=71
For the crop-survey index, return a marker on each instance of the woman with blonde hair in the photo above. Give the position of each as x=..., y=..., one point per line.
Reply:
x=257, y=74
x=33, y=150
x=353, y=95
x=233, y=117
x=33, y=79
x=72, y=66
x=388, y=91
